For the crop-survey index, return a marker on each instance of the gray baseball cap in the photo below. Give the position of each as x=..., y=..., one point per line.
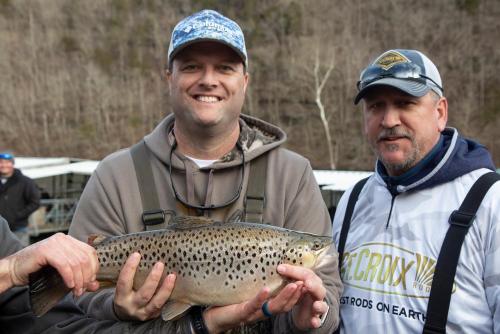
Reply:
x=408, y=70
x=207, y=25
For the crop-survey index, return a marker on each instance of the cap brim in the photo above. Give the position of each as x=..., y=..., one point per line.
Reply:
x=411, y=87
x=205, y=39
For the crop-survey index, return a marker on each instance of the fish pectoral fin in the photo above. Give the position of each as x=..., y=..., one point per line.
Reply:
x=106, y=284
x=173, y=310
x=95, y=239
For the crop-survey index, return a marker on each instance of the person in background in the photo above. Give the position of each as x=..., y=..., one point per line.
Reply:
x=204, y=160
x=19, y=197
x=398, y=261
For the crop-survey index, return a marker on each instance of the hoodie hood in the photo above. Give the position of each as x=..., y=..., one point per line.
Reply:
x=453, y=156
x=256, y=138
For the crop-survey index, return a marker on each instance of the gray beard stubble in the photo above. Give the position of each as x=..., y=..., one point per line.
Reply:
x=409, y=162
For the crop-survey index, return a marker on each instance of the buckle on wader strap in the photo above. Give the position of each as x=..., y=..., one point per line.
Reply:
x=153, y=217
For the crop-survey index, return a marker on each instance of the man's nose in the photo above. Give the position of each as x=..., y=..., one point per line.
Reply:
x=391, y=117
x=209, y=78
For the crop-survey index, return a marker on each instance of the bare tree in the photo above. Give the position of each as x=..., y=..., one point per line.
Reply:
x=320, y=81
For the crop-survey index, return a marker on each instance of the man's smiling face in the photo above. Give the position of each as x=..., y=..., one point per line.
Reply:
x=207, y=83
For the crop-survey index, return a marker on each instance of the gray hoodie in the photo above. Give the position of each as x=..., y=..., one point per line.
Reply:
x=111, y=202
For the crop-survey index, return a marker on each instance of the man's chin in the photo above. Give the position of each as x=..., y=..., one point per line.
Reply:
x=207, y=118
x=397, y=167
x=395, y=162
x=391, y=156
x=207, y=123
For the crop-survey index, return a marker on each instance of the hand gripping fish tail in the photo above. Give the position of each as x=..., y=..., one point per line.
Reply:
x=46, y=288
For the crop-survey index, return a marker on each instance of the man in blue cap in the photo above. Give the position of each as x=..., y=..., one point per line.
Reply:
x=419, y=240
x=207, y=159
x=19, y=197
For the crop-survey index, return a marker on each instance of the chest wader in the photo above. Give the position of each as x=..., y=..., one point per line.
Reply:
x=153, y=217
x=446, y=266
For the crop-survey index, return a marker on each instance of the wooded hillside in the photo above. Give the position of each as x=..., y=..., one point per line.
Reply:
x=82, y=78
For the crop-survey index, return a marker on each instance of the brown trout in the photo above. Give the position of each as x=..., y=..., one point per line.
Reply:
x=215, y=263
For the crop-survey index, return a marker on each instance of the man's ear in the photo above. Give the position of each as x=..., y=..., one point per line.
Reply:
x=442, y=113
x=247, y=80
x=167, y=75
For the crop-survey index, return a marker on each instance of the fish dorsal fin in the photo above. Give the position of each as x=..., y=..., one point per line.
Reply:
x=185, y=222
x=192, y=220
x=173, y=310
x=95, y=239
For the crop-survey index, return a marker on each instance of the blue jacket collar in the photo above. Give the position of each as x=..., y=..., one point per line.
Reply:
x=451, y=157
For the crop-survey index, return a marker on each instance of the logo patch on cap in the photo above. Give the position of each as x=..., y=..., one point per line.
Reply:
x=389, y=59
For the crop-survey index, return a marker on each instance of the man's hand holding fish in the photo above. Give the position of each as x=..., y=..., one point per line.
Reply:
x=305, y=296
x=311, y=308
x=145, y=303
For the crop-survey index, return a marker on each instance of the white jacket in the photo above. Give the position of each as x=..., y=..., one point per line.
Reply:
x=388, y=262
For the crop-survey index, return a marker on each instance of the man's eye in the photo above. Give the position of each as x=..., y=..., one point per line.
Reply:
x=189, y=67
x=226, y=68
x=405, y=103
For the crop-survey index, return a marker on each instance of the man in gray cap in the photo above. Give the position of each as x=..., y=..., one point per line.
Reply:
x=207, y=159
x=419, y=240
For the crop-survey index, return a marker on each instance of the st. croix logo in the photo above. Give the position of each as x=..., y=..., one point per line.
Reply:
x=389, y=269
x=389, y=59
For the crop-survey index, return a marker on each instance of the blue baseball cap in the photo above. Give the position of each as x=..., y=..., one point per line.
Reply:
x=407, y=70
x=6, y=156
x=207, y=25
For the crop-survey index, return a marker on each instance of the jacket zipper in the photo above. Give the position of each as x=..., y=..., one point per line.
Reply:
x=390, y=212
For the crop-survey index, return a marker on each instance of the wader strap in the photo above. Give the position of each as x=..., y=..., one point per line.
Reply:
x=444, y=274
x=153, y=216
x=346, y=224
x=353, y=198
x=255, y=200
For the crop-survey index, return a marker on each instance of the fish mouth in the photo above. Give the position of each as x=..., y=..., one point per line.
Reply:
x=324, y=250
x=325, y=257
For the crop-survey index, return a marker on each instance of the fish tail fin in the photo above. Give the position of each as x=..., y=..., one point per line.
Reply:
x=46, y=288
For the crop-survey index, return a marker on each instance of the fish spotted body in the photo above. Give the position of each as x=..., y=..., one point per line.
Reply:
x=215, y=263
